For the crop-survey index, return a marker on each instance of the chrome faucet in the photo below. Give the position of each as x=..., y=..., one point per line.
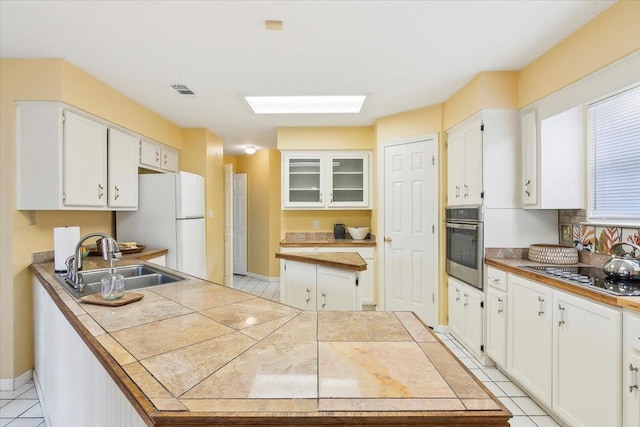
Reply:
x=110, y=251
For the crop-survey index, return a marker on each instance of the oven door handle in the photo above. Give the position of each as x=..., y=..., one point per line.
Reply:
x=461, y=226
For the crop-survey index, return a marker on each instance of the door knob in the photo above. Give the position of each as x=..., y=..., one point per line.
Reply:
x=387, y=239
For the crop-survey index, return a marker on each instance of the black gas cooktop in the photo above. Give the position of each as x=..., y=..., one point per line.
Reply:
x=589, y=277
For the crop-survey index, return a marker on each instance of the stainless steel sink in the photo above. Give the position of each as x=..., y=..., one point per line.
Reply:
x=135, y=277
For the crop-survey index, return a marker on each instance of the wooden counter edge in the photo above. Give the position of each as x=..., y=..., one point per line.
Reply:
x=310, y=259
x=338, y=244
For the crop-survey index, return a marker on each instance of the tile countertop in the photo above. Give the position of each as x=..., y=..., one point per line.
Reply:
x=512, y=265
x=345, y=260
x=198, y=353
x=322, y=239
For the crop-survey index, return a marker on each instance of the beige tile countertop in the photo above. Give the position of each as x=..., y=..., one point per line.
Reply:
x=322, y=239
x=513, y=266
x=345, y=260
x=197, y=353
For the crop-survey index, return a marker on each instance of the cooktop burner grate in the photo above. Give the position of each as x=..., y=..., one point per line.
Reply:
x=590, y=277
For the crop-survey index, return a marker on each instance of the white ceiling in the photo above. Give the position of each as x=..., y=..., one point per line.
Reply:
x=402, y=54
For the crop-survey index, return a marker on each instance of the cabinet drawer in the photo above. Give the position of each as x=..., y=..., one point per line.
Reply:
x=497, y=278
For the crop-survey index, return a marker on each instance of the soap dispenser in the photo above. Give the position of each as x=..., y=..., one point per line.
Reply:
x=112, y=285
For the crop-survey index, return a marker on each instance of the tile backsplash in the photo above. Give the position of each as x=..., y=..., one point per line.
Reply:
x=595, y=239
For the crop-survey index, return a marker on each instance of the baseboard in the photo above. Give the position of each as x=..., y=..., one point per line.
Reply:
x=264, y=278
x=442, y=329
x=11, y=384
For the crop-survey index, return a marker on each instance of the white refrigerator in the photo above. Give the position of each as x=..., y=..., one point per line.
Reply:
x=170, y=215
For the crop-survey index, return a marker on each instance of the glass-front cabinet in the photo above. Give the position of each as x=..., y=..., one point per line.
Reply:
x=326, y=179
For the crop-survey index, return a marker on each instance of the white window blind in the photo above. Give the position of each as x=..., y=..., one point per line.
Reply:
x=614, y=157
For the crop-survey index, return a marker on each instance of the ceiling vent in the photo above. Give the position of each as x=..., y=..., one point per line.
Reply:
x=183, y=89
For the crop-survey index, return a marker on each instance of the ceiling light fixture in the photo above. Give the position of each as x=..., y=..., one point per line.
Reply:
x=340, y=104
x=250, y=149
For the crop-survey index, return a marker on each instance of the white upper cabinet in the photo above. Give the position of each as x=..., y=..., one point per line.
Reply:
x=123, y=169
x=484, y=160
x=553, y=161
x=64, y=161
x=157, y=156
x=326, y=179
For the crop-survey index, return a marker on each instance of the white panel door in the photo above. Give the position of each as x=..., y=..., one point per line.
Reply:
x=192, y=249
x=410, y=214
x=228, y=225
x=240, y=223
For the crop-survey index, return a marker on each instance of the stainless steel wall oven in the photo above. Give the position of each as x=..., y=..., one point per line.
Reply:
x=465, y=244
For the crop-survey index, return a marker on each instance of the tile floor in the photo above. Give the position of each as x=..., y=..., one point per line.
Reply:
x=21, y=408
x=261, y=288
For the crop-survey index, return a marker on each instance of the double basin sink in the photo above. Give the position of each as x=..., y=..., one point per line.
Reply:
x=136, y=276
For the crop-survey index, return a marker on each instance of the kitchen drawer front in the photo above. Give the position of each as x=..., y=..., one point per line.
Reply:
x=497, y=278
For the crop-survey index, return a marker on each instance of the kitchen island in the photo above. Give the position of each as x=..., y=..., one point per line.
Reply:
x=197, y=353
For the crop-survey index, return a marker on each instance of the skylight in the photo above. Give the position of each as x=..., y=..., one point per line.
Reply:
x=306, y=104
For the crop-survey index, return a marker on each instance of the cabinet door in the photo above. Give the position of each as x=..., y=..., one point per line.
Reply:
x=299, y=285
x=123, y=170
x=529, y=159
x=169, y=159
x=336, y=289
x=455, y=159
x=150, y=154
x=586, y=361
x=472, y=186
x=456, y=309
x=348, y=180
x=497, y=326
x=631, y=370
x=530, y=336
x=303, y=181
x=85, y=162
x=473, y=319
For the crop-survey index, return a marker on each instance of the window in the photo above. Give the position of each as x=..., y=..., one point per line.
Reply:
x=614, y=157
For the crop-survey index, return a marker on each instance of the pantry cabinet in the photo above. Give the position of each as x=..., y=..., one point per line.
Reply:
x=631, y=369
x=565, y=350
x=553, y=160
x=315, y=287
x=326, y=180
x=64, y=161
x=465, y=315
x=156, y=156
x=483, y=160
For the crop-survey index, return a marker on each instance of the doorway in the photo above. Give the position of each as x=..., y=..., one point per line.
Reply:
x=240, y=223
x=409, y=225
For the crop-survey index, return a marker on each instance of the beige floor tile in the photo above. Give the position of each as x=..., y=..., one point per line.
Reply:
x=171, y=334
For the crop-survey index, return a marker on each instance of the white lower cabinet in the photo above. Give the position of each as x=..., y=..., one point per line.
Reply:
x=465, y=315
x=566, y=351
x=496, y=312
x=365, y=296
x=74, y=388
x=315, y=287
x=631, y=369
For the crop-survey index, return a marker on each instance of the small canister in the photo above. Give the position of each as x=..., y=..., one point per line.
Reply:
x=338, y=231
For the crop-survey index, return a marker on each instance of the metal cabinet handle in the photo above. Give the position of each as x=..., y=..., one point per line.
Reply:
x=387, y=239
x=166, y=159
x=457, y=294
x=466, y=190
x=526, y=188
x=157, y=157
x=541, y=308
x=560, y=315
x=633, y=383
x=500, y=309
x=117, y=192
x=331, y=197
x=308, y=294
x=320, y=197
x=466, y=300
x=100, y=191
x=324, y=299
x=457, y=191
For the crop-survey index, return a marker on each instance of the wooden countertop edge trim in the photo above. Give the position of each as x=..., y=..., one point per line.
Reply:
x=143, y=406
x=308, y=258
x=550, y=281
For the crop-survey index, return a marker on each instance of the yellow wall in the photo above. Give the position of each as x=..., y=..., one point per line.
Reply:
x=610, y=36
x=263, y=205
x=325, y=138
x=302, y=221
x=51, y=80
x=230, y=160
x=202, y=155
